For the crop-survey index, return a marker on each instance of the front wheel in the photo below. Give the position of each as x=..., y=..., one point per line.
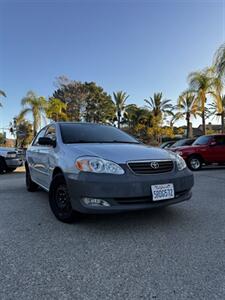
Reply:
x=194, y=163
x=59, y=200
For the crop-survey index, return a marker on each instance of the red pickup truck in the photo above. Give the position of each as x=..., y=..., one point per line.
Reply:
x=207, y=149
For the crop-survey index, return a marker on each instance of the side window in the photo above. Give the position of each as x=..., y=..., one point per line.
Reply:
x=40, y=134
x=220, y=140
x=51, y=133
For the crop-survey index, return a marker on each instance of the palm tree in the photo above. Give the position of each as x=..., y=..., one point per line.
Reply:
x=120, y=99
x=2, y=94
x=159, y=106
x=201, y=83
x=187, y=105
x=35, y=105
x=219, y=61
x=219, y=111
x=218, y=106
x=56, y=110
x=174, y=116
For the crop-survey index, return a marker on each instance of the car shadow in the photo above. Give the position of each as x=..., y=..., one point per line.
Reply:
x=212, y=167
x=153, y=218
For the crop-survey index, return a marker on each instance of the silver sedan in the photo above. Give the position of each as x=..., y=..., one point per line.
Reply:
x=92, y=168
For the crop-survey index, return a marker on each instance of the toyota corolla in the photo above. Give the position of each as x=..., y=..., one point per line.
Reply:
x=91, y=168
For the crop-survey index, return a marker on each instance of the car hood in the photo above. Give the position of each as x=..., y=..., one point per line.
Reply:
x=120, y=153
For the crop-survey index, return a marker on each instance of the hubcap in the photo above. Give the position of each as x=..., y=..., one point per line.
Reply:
x=62, y=198
x=195, y=163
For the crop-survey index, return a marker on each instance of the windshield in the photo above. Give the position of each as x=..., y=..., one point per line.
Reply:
x=92, y=133
x=202, y=140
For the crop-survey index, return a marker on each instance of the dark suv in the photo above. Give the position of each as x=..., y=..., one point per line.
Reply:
x=207, y=149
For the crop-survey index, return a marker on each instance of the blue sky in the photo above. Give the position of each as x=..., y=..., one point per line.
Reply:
x=138, y=46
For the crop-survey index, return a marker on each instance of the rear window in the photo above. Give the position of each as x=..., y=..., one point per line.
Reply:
x=220, y=140
x=92, y=133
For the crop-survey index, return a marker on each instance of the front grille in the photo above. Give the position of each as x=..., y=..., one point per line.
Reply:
x=151, y=167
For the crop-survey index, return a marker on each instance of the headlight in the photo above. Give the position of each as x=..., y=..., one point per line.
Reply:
x=98, y=165
x=181, y=164
x=11, y=155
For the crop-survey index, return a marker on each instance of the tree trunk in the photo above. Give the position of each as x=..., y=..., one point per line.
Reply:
x=222, y=121
x=203, y=114
x=203, y=123
x=35, y=128
x=118, y=118
x=188, y=124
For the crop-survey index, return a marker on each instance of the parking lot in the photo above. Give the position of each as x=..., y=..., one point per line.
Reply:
x=174, y=253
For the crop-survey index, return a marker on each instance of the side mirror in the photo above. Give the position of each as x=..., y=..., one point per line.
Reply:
x=46, y=141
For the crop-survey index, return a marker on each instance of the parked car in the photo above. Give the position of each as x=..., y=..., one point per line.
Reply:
x=9, y=159
x=167, y=144
x=182, y=143
x=91, y=168
x=206, y=149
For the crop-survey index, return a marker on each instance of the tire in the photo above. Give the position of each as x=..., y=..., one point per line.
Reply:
x=3, y=165
x=31, y=186
x=59, y=201
x=194, y=163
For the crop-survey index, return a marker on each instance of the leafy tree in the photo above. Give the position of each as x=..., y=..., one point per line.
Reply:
x=219, y=61
x=24, y=132
x=2, y=94
x=134, y=115
x=34, y=105
x=85, y=101
x=56, y=110
x=201, y=83
x=120, y=99
x=73, y=94
x=99, y=106
x=138, y=119
x=2, y=138
x=188, y=107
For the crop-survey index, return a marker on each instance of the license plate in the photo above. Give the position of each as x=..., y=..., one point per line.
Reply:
x=162, y=191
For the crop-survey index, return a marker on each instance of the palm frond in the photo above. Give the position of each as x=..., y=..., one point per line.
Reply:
x=2, y=93
x=219, y=61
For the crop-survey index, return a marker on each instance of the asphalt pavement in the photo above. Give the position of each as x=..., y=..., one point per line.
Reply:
x=172, y=253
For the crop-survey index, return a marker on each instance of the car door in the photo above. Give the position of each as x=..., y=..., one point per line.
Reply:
x=218, y=148
x=47, y=158
x=33, y=157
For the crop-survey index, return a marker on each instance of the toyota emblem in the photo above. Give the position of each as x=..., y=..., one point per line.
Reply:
x=154, y=165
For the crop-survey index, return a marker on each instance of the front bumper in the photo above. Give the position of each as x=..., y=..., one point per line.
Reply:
x=125, y=192
x=13, y=162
